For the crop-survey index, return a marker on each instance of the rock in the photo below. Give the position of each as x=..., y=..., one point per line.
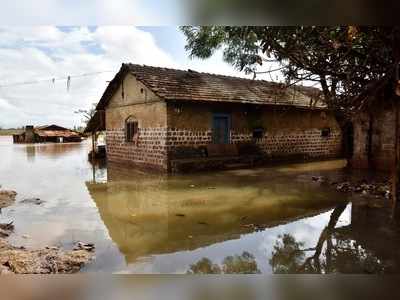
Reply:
x=319, y=179
x=7, y=226
x=43, y=261
x=84, y=246
x=7, y=198
x=6, y=229
x=35, y=201
x=343, y=187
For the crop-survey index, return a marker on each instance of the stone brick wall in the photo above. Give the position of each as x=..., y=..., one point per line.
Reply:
x=374, y=139
x=148, y=151
x=307, y=144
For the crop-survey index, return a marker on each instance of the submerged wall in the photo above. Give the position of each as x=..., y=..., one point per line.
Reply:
x=286, y=132
x=135, y=101
x=374, y=139
x=166, y=128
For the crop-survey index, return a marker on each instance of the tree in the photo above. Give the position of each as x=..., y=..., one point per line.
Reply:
x=237, y=264
x=353, y=65
x=335, y=252
x=87, y=114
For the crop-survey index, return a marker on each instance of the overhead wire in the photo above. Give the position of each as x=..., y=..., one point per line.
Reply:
x=54, y=79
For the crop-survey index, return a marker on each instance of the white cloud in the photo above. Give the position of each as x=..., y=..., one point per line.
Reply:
x=88, y=12
x=39, y=53
x=46, y=52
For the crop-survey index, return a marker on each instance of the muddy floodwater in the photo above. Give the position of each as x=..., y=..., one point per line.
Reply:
x=266, y=220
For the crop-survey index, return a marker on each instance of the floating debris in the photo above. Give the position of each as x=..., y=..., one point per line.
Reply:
x=84, y=246
x=363, y=187
x=180, y=215
x=35, y=201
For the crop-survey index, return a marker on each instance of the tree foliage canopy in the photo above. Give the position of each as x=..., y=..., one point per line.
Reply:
x=350, y=63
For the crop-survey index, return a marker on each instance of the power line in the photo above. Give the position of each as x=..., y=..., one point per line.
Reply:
x=54, y=79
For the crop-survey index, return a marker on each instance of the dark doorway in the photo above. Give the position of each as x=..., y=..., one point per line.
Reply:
x=221, y=128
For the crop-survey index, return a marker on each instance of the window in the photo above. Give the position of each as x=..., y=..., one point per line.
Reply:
x=326, y=132
x=131, y=130
x=258, y=133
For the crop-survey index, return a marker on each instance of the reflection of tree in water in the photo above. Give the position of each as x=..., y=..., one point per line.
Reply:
x=334, y=253
x=238, y=264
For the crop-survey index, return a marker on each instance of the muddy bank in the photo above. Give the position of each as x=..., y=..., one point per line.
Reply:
x=49, y=260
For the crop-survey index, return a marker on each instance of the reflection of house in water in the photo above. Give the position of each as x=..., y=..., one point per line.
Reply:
x=30, y=152
x=154, y=214
x=49, y=150
x=47, y=133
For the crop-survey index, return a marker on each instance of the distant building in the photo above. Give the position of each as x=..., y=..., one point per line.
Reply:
x=47, y=134
x=175, y=120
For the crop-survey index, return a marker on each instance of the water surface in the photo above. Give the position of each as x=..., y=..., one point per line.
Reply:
x=264, y=220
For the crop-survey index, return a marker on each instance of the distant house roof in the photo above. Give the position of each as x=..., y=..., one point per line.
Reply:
x=52, y=131
x=172, y=84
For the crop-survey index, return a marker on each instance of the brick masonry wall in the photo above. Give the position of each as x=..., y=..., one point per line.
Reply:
x=149, y=151
x=308, y=143
x=186, y=137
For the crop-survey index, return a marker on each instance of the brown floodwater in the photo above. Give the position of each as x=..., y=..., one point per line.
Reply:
x=266, y=220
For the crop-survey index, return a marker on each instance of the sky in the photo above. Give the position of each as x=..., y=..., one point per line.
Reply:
x=41, y=53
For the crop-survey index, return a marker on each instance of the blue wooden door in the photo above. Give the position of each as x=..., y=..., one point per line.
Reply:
x=221, y=129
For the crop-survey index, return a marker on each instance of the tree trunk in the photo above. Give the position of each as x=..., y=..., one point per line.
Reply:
x=396, y=171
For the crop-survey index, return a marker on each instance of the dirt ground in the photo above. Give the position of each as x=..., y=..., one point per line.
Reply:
x=50, y=260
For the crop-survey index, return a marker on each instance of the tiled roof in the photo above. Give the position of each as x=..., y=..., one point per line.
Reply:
x=172, y=84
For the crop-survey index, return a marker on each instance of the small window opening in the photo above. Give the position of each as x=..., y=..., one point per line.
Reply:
x=258, y=133
x=131, y=131
x=326, y=132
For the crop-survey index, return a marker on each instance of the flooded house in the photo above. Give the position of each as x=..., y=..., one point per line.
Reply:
x=47, y=134
x=176, y=121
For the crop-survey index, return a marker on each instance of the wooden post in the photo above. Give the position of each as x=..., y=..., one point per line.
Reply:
x=93, y=146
